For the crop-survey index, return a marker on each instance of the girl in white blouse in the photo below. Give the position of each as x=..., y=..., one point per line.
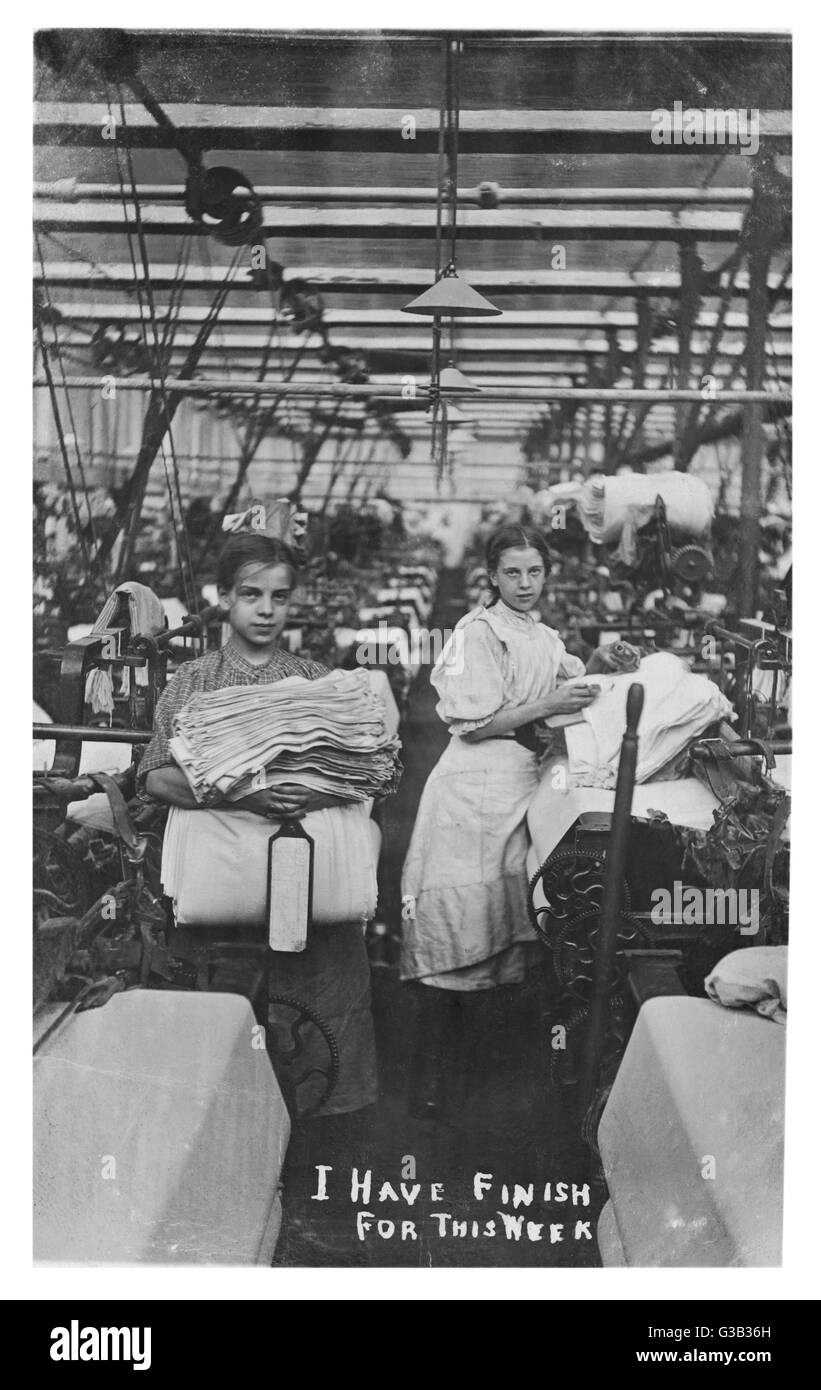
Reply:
x=464, y=883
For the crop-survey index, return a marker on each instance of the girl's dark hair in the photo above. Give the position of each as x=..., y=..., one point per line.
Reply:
x=513, y=537
x=251, y=548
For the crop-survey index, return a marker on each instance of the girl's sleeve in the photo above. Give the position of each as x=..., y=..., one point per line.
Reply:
x=158, y=753
x=469, y=678
x=569, y=667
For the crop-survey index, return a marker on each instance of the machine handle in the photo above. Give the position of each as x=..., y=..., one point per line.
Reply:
x=611, y=904
x=635, y=705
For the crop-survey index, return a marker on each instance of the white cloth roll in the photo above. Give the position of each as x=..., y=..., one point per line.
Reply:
x=215, y=866
x=607, y=503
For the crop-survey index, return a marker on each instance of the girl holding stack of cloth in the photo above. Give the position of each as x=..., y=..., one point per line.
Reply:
x=223, y=812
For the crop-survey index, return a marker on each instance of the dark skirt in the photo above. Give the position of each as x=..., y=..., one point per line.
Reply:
x=332, y=976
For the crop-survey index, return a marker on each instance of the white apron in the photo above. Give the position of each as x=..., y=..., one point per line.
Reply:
x=464, y=884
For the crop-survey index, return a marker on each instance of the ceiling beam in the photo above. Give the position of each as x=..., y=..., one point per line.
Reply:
x=370, y=129
x=499, y=345
x=126, y=311
x=407, y=223
x=391, y=280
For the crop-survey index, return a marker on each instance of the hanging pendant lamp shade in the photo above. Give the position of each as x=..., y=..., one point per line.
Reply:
x=460, y=440
x=453, y=297
x=460, y=419
x=451, y=379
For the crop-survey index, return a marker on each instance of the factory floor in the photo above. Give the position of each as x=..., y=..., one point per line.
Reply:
x=498, y=1117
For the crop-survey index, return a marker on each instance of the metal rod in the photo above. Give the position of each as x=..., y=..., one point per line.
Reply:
x=92, y=733
x=69, y=190
x=689, y=304
x=741, y=749
x=762, y=241
x=240, y=387
x=612, y=902
x=737, y=639
x=191, y=627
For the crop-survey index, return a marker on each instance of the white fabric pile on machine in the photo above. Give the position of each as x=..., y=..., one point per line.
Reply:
x=146, y=617
x=755, y=977
x=332, y=735
x=678, y=706
x=328, y=735
x=614, y=508
x=605, y=503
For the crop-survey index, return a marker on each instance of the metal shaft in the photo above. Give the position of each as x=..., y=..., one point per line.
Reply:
x=226, y=386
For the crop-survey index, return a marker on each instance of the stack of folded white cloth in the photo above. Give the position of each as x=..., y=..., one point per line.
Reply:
x=678, y=707
x=327, y=735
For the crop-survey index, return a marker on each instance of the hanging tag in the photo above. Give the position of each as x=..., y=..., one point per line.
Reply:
x=290, y=887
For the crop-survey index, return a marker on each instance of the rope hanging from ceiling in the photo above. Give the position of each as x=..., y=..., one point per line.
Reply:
x=46, y=313
x=63, y=450
x=222, y=200
x=159, y=354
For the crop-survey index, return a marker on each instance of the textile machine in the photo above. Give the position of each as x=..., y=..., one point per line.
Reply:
x=130, y=1010
x=679, y=571
x=100, y=923
x=119, y=1026
x=657, y=1074
x=755, y=667
x=732, y=806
